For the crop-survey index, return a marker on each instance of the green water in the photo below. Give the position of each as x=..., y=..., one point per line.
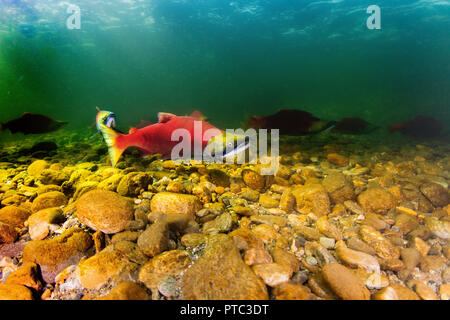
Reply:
x=226, y=59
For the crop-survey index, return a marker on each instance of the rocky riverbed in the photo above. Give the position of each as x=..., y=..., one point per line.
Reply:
x=348, y=218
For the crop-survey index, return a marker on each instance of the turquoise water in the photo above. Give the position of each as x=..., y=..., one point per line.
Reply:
x=225, y=58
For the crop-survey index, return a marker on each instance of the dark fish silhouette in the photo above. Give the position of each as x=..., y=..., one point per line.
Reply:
x=419, y=127
x=290, y=122
x=30, y=123
x=353, y=126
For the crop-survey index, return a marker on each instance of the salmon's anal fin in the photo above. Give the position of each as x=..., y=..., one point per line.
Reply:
x=164, y=117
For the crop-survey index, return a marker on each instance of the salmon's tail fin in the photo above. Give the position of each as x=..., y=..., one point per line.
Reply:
x=110, y=135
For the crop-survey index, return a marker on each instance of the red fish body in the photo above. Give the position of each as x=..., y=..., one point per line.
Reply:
x=155, y=138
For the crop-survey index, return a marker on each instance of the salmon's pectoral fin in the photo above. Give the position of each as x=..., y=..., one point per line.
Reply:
x=164, y=117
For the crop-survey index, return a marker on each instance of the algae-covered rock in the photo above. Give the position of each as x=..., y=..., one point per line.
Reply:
x=376, y=200
x=15, y=292
x=8, y=233
x=26, y=275
x=39, y=223
x=382, y=246
x=155, y=239
x=35, y=169
x=436, y=193
x=15, y=216
x=221, y=274
x=344, y=282
x=126, y=291
x=339, y=187
x=291, y=291
x=133, y=184
x=106, y=267
x=56, y=254
x=169, y=263
x=312, y=198
x=49, y=200
x=105, y=211
x=253, y=180
x=168, y=202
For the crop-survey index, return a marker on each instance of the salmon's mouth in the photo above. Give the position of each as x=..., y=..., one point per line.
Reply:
x=222, y=147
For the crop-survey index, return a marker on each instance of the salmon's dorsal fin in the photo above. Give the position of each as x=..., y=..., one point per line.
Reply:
x=164, y=117
x=132, y=130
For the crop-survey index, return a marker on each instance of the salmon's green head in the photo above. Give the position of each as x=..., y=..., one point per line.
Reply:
x=105, y=119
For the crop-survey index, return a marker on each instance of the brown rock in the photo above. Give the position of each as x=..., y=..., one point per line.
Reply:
x=273, y=274
x=15, y=292
x=106, y=267
x=35, y=169
x=26, y=275
x=375, y=221
x=328, y=229
x=269, y=219
x=422, y=290
x=266, y=233
x=193, y=239
x=411, y=258
x=344, y=282
x=222, y=223
x=436, y=193
x=312, y=198
x=169, y=263
x=421, y=246
x=406, y=223
x=307, y=233
x=133, y=183
x=155, y=239
x=126, y=235
x=105, y=211
x=257, y=256
x=433, y=264
x=58, y=253
x=267, y=201
x=439, y=228
x=291, y=291
x=391, y=264
x=380, y=244
x=444, y=291
x=167, y=202
x=126, y=291
x=39, y=222
x=253, y=180
x=8, y=233
x=49, y=200
x=287, y=201
x=15, y=216
x=285, y=258
x=337, y=159
x=245, y=239
x=359, y=245
x=339, y=187
x=402, y=293
x=221, y=274
x=376, y=200
x=356, y=259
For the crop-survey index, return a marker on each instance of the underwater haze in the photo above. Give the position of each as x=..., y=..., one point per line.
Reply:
x=224, y=58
